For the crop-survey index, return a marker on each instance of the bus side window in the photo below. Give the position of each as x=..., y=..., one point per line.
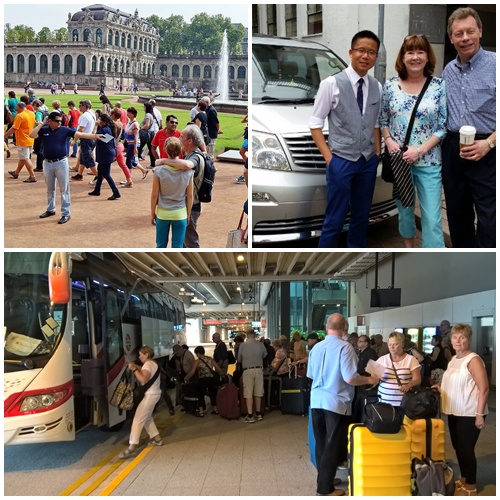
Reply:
x=114, y=341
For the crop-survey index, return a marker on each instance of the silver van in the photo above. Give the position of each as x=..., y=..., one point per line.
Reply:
x=288, y=171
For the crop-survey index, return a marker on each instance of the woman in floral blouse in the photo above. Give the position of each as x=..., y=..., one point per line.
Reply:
x=416, y=62
x=279, y=364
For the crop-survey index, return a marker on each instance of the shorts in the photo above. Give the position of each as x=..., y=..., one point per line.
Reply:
x=245, y=144
x=86, y=148
x=253, y=383
x=24, y=152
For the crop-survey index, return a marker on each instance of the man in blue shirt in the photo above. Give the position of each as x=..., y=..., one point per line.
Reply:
x=469, y=174
x=55, y=165
x=332, y=366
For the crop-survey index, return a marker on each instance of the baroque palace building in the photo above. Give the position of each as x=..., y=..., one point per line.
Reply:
x=112, y=47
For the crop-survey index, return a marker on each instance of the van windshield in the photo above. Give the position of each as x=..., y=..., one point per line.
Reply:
x=283, y=73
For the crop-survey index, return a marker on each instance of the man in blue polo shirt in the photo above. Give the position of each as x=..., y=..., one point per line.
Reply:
x=55, y=166
x=332, y=366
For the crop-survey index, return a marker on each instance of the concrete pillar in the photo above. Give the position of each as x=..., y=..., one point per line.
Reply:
x=262, y=18
x=285, y=308
x=280, y=20
x=301, y=20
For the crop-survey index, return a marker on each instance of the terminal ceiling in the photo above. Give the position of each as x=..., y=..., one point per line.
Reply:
x=236, y=285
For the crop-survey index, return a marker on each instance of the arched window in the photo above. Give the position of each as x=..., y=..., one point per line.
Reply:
x=207, y=72
x=31, y=64
x=108, y=65
x=110, y=37
x=68, y=65
x=123, y=39
x=86, y=35
x=196, y=71
x=149, y=69
x=44, y=64
x=185, y=71
x=10, y=64
x=94, y=63
x=163, y=70
x=101, y=64
x=75, y=35
x=242, y=73
x=56, y=65
x=117, y=39
x=154, y=47
x=135, y=43
x=144, y=69
x=216, y=72
x=129, y=41
x=175, y=71
x=98, y=35
x=231, y=72
x=127, y=68
x=20, y=63
x=122, y=65
x=115, y=66
x=152, y=69
x=149, y=46
x=80, y=65
x=140, y=43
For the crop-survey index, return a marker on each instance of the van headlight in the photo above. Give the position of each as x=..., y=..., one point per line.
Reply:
x=267, y=152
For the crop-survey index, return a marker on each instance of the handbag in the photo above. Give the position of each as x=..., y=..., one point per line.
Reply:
x=396, y=170
x=145, y=135
x=382, y=418
x=419, y=402
x=236, y=237
x=140, y=390
x=123, y=395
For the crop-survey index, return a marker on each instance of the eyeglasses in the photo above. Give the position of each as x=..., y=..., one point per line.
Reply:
x=363, y=52
x=174, y=123
x=411, y=36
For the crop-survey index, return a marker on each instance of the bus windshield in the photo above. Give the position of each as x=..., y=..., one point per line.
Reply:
x=32, y=325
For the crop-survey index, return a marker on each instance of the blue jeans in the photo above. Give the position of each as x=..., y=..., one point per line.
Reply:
x=178, y=232
x=427, y=181
x=349, y=184
x=59, y=171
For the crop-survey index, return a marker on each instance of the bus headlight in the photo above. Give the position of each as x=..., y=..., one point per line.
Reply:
x=267, y=152
x=40, y=401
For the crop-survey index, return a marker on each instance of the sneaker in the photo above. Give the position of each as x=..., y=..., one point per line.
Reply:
x=123, y=182
x=30, y=179
x=259, y=416
x=248, y=420
x=343, y=466
x=73, y=156
x=240, y=180
x=93, y=181
x=13, y=173
x=77, y=177
x=38, y=170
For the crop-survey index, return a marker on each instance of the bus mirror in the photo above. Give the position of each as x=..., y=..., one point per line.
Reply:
x=59, y=286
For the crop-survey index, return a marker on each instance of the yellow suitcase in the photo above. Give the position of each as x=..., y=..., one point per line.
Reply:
x=379, y=464
x=428, y=438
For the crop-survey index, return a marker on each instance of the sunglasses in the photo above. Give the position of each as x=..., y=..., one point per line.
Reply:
x=57, y=121
x=174, y=123
x=411, y=36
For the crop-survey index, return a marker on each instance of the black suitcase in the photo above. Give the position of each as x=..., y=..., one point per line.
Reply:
x=295, y=394
x=272, y=392
x=190, y=397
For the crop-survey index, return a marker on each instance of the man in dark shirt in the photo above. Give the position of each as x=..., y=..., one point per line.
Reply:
x=220, y=353
x=55, y=165
x=212, y=125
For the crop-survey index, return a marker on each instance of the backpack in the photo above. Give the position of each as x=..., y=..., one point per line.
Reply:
x=205, y=184
x=230, y=357
x=433, y=478
x=8, y=116
x=64, y=118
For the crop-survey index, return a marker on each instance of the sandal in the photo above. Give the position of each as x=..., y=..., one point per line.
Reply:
x=462, y=491
x=125, y=453
x=200, y=415
x=214, y=412
x=144, y=174
x=153, y=442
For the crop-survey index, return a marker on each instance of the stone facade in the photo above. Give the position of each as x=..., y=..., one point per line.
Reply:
x=109, y=46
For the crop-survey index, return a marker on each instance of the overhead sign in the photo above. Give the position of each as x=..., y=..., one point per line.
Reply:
x=236, y=321
x=212, y=322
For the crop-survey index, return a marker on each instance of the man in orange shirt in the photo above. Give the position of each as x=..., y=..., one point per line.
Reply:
x=24, y=122
x=162, y=135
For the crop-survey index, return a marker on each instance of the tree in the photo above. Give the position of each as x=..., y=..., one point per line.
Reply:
x=171, y=32
x=44, y=35
x=60, y=35
x=20, y=33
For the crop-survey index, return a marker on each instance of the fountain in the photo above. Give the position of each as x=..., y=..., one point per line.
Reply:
x=223, y=76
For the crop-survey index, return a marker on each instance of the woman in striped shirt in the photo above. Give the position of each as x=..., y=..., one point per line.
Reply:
x=406, y=367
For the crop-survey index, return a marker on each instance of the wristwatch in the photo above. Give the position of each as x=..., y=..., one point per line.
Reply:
x=490, y=143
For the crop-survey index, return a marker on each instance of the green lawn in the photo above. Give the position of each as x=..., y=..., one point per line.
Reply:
x=230, y=124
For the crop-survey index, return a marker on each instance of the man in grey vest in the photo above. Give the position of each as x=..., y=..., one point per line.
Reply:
x=351, y=101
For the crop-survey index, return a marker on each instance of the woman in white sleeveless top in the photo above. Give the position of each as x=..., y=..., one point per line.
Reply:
x=464, y=392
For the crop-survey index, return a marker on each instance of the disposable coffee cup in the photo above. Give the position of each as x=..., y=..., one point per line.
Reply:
x=467, y=135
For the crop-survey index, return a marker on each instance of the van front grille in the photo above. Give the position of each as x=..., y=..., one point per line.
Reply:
x=304, y=152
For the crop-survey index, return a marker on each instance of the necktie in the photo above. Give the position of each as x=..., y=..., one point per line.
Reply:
x=359, y=96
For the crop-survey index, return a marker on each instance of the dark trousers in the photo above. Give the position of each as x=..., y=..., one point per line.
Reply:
x=152, y=158
x=38, y=150
x=104, y=172
x=330, y=433
x=350, y=185
x=469, y=189
x=206, y=384
x=464, y=435
x=165, y=396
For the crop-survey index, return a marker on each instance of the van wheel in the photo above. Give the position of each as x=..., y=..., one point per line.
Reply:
x=114, y=428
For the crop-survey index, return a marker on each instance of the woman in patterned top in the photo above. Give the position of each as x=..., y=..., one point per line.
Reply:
x=204, y=366
x=416, y=62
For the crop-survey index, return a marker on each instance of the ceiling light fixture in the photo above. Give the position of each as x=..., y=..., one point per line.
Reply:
x=240, y=258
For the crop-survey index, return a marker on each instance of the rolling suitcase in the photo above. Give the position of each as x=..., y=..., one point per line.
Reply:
x=379, y=464
x=243, y=403
x=295, y=394
x=272, y=392
x=189, y=397
x=428, y=438
x=227, y=401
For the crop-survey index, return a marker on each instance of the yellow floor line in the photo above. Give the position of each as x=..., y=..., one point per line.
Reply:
x=91, y=472
x=95, y=484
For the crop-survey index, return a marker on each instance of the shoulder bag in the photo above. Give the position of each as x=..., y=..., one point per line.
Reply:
x=393, y=165
x=236, y=237
x=219, y=379
x=140, y=390
x=419, y=402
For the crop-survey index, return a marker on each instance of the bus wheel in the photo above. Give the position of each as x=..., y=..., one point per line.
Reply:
x=114, y=428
